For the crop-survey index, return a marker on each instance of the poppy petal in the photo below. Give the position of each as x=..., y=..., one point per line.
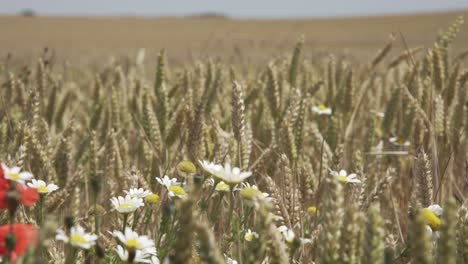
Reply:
x=26, y=235
x=3, y=204
x=29, y=196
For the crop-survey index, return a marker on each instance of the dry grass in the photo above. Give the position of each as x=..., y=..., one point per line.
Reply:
x=238, y=41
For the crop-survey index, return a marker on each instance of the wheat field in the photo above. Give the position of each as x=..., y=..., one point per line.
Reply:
x=321, y=144
x=241, y=42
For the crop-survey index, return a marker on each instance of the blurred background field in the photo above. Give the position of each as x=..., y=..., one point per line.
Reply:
x=241, y=41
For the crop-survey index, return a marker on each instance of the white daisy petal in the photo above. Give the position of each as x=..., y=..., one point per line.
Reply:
x=343, y=177
x=126, y=204
x=78, y=237
x=42, y=187
x=322, y=110
x=15, y=174
x=436, y=209
x=131, y=239
x=227, y=174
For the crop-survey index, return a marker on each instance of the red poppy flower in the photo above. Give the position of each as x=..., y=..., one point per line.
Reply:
x=29, y=196
x=26, y=236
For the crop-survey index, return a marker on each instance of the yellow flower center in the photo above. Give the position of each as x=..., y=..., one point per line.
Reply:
x=312, y=209
x=42, y=189
x=249, y=237
x=400, y=141
x=125, y=205
x=222, y=187
x=177, y=190
x=322, y=107
x=78, y=239
x=431, y=219
x=249, y=193
x=152, y=198
x=14, y=176
x=342, y=179
x=132, y=243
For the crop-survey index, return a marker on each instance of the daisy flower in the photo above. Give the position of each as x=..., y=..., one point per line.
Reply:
x=344, y=177
x=287, y=233
x=176, y=191
x=378, y=147
x=173, y=187
x=398, y=141
x=253, y=189
x=322, y=110
x=15, y=174
x=42, y=187
x=249, y=235
x=154, y=260
x=222, y=187
x=131, y=239
x=138, y=193
x=431, y=216
x=227, y=174
x=78, y=237
x=126, y=204
x=252, y=195
x=139, y=257
x=289, y=236
x=230, y=260
x=380, y=114
x=305, y=241
x=210, y=167
x=168, y=182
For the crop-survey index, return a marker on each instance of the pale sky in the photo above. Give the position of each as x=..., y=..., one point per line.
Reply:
x=234, y=8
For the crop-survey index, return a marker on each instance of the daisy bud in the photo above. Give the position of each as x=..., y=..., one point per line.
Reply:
x=12, y=199
x=98, y=211
x=152, y=199
x=186, y=168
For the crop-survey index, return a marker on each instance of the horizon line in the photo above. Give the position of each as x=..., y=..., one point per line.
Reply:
x=214, y=14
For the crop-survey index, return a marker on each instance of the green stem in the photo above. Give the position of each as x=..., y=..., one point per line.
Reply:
x=231, y=207
x=96, y=219
x=135, y=220
x=124, y=222
x=40, y=217
x=164, y=228
x=72, y=253
x=148, y=212
x=246, y=216
x=214, y=213
x=204, y=203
